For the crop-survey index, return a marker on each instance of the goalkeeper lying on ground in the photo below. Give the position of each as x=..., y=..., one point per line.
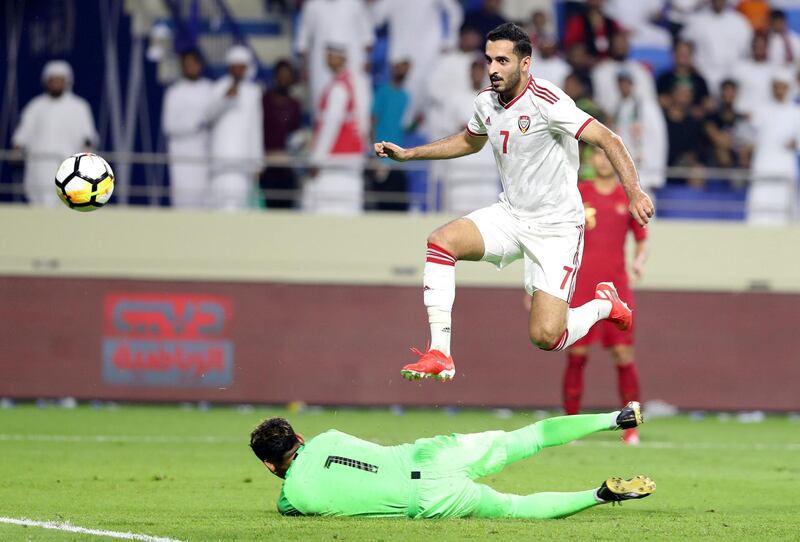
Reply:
x=335, y=474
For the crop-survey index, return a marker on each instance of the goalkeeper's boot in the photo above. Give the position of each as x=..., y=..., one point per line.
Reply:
x=621, y=316
x=630, y=416
x=431, y=364
x=619, y=489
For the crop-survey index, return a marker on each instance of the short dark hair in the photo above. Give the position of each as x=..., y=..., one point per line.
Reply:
x=193, y=52
x=777, y=14
x=272, y=440
x=514, y=34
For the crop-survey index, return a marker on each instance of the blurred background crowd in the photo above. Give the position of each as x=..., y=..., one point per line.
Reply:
x=235, y=104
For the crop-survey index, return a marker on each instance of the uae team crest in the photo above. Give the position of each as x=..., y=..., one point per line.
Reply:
x=524, y=123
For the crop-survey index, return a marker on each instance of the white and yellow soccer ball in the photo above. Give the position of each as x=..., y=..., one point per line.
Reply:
x=84, y=182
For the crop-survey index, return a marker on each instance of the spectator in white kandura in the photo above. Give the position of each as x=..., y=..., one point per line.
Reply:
x=451, y=70
x=337, y=157
x=470, y=182
x=773, y=190
x=604, y=75
x=547, y=63
x=754, y=77
x=784, y=44
x=347, y=22
x=640, y=124
x=237, y=148
x=722, y=38
x=54, y=125
x=417, y=34
x=184, y=122
x=637, y=18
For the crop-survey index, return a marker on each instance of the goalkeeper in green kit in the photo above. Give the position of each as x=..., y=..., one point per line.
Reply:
x=335, y=474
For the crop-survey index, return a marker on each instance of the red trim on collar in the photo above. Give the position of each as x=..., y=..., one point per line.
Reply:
x=521, y=94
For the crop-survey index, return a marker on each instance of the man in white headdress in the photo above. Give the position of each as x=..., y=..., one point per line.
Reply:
x=346, y=22
x=337, y=154
x=54, y=125
x=772, y=198
x=235, y=116
x=184, y=123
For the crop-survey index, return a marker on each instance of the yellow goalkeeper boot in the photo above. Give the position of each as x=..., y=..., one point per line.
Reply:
x=619, y=489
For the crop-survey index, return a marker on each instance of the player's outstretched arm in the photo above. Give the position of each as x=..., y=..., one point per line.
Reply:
x=640, y=206
x=460, y=144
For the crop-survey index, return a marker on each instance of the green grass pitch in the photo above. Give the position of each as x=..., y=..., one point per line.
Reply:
x=189, y=475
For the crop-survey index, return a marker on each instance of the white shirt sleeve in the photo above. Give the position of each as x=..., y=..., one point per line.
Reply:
x=475, y=124
x=330, y=123
x=22, y=135
x=305, y=29
x=564, y=117
x=175, y=122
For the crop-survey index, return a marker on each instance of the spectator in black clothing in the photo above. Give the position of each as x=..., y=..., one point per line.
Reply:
x=580, y=61
x=684, y=72
x=726, y=131
x=282, y=116
x=486, y=18
x=684, y=132
x=591, y=27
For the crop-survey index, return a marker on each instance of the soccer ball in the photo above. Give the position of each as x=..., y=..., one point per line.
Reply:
x=84, y=182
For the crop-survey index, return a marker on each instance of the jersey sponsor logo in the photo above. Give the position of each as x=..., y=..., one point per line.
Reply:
x=347, y=462
x=488, y=121
x=524, y=123
x=620, y=208
x=154, y=340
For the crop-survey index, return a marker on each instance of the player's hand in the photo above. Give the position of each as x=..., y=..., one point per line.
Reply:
x=641, y=208
x=384, y=149
x=637, y=270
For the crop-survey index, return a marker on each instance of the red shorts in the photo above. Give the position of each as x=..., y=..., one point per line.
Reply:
x=604, y=331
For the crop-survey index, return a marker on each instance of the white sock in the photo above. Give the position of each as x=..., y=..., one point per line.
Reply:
x=439, y=279
x=581, y=319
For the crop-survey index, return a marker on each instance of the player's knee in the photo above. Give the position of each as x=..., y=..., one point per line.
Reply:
x=622, y=355
x=441, y=238
x=546, y=337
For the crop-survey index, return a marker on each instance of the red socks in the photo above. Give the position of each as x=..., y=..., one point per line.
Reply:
x=628, y=382
x=573, y=383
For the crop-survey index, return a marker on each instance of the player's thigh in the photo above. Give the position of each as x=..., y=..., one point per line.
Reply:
x=447, y=497
x=552, y=259
x=499, y=232
x=472, y=455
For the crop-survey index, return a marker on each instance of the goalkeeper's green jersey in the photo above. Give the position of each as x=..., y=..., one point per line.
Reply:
x=338, y=474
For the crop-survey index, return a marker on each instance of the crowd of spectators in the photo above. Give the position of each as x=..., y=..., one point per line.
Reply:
x=733, y=72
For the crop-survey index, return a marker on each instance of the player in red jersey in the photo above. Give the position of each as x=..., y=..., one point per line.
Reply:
x=607, y=227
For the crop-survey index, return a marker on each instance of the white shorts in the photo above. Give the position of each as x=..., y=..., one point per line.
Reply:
x=552, y=252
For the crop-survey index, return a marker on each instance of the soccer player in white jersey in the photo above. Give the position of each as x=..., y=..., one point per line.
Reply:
x=534, y=128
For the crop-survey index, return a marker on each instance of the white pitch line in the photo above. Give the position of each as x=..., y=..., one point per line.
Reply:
x=163, y=439
x=143, y=439
x=68, y=527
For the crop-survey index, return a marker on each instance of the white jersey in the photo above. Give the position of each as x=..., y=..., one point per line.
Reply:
x=535, y=142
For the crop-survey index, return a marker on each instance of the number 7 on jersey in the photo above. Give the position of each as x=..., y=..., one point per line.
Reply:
x=505, y=134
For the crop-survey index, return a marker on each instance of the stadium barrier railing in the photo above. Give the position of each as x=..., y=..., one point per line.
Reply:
x=712, y=192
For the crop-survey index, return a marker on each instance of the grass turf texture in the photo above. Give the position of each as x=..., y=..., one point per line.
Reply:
x=189, y=474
